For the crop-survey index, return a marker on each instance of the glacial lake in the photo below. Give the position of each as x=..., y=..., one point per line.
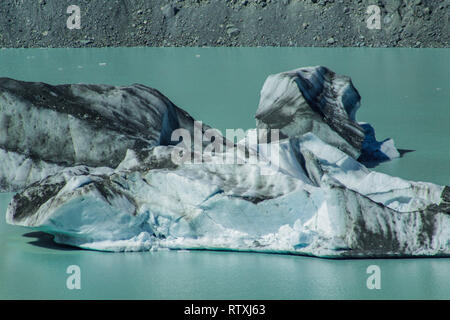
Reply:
x=405, y=96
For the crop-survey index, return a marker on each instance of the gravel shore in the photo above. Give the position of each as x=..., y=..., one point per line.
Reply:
x=324, y=23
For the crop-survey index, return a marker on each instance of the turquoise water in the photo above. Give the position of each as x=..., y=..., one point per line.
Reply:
x=405, y=96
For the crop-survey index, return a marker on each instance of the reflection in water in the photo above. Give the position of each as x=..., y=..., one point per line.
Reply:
x=45, y=240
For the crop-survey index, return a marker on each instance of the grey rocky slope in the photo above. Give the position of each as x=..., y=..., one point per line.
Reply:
x=404, y=23
x=304, y=193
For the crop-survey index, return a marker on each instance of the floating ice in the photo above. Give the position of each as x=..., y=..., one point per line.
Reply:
x=100, y=174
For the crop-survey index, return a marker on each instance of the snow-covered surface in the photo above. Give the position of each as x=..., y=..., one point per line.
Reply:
x=316, y=199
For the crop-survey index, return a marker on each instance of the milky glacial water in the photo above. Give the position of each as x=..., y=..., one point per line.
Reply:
x=405, y=95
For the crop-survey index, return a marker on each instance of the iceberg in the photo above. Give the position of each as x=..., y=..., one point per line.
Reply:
x=95, y=168
x=45, y=128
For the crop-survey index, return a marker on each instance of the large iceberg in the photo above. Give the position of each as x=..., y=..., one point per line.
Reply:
x=95, y=167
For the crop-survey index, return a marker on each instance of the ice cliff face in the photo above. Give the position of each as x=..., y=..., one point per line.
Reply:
x=319, y=101
x=45, y=128
x=315, y=199
x=312, y=100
